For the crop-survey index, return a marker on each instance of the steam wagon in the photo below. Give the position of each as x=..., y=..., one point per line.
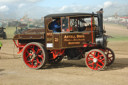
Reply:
x=81, y=35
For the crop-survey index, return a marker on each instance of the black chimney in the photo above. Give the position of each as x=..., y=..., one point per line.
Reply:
x=100, y=21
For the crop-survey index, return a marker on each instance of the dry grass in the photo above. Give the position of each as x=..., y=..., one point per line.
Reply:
x=14, y=71
x=10, y=31
x=118, y=32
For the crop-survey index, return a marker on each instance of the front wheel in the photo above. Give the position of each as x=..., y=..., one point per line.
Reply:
x=34, y=55
x=95, y=59
x=110, y=56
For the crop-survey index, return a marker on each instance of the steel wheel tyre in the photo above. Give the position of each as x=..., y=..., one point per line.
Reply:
x=56, y=60
x=95, y=59
x=34, y=55
x=110, y=56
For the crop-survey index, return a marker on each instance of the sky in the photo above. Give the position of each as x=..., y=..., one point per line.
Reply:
x=39, y=8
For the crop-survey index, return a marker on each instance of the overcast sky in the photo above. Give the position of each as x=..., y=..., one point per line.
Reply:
x=39, y=8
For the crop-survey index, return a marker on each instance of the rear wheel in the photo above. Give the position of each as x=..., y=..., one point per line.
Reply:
x=95, y=59
x=34, y=55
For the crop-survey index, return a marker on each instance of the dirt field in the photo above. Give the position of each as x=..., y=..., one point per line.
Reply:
x=13, y=71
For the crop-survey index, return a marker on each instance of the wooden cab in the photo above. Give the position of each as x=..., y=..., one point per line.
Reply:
x=76, y=30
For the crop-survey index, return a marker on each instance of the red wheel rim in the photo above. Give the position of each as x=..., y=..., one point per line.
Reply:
x=110, y=56
x=95, y=60
x=33, y=56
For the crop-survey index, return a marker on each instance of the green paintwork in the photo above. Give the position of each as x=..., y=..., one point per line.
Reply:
x=0, y=44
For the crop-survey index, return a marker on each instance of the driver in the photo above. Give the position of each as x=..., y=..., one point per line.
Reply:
x=55, y=25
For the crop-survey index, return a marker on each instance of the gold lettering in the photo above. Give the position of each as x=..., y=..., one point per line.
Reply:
x=66, y=40
x=73, y=43
x=80, y=36
x=56, y=39
x=74, y=36
x=65, y=36
x=69, y=36
x=49, y=34
x=49, y=39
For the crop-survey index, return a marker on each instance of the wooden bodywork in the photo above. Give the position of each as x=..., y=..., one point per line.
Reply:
x=59, y=40
x=68, y=39
x=30, y=34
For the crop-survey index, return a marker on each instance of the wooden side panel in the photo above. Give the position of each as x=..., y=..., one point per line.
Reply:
x=70, y=40
x=57, y=41
x=28, y=36
x=49, y=34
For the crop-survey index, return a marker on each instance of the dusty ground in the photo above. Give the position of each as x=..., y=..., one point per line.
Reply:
x=116, y=30
x=14, y=72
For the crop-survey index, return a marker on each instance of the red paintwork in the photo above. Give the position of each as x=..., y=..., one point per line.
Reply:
x=67, y=30
x=109, y=55
x=85, y=45
x=92, y=28
x=33, y=56
x=100, y=60
x=70, y=28
x=89, y=45
x=57, y=53
x=15, y=43
x=124, y=17
x=20, y=46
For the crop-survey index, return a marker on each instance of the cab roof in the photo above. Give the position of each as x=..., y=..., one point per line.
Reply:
x=71, y=15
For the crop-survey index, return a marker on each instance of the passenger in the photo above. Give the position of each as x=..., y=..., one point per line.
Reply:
x=55, y=26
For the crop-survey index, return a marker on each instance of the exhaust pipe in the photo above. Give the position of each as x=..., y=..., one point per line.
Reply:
x=101, y=39
x=100, y=21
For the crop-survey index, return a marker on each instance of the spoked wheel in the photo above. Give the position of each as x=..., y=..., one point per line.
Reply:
x=110, y=56
x=95, y=59
x=56, y=60
x=34, y=55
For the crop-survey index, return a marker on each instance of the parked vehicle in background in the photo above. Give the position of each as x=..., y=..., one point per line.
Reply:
x=21, y=28
x=3, y=33
x=25, y=27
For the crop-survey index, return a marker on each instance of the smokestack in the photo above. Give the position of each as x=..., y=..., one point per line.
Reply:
x=100, y=21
